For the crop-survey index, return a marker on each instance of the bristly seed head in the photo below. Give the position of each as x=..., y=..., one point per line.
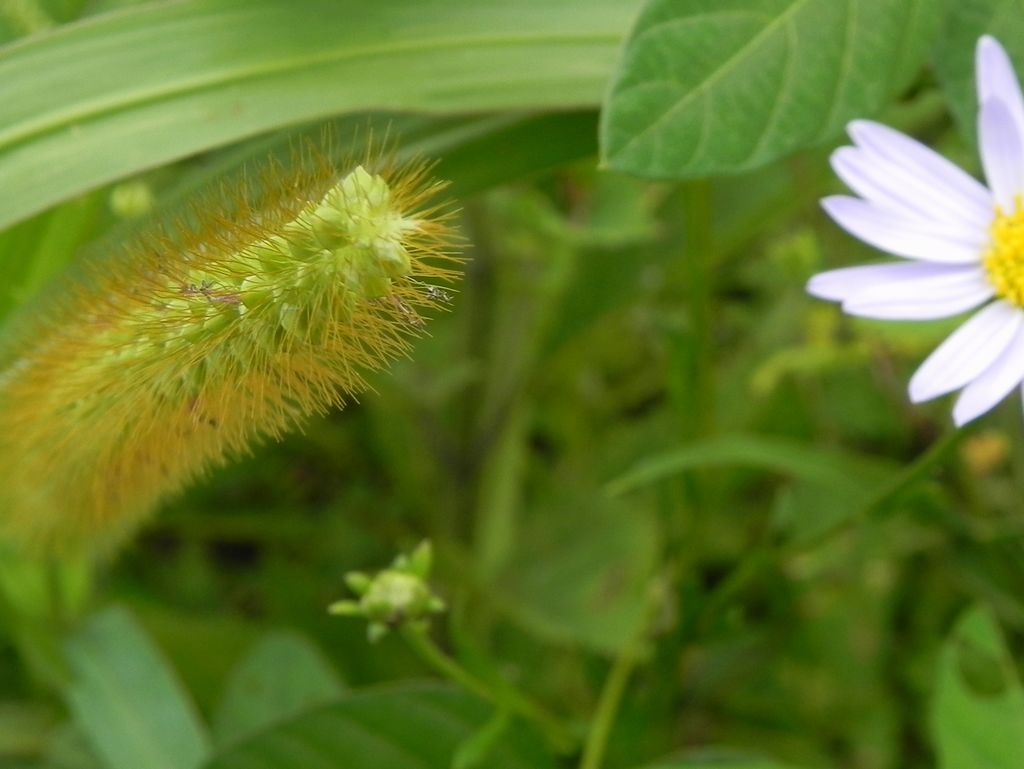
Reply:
x=195, y=341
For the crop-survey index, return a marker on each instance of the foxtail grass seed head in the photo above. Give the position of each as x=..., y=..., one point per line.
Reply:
x=265, y=304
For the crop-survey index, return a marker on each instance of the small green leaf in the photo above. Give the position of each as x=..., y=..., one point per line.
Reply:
x=420, y=560
x=282, y=676
x=127, y=700
x=968, y=20
x=413, y=727
x=358, y=582
x=978, y=714
x=713, y=86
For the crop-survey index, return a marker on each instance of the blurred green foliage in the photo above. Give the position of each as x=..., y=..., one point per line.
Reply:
x=682, y=514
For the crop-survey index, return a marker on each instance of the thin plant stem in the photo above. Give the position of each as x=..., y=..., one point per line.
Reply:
x=610, y=699
x=692, y=384
x=752, y=568
x=880, y=502
x=700, y=290
x=915, y=471
x=502, y=697
x=608, y=707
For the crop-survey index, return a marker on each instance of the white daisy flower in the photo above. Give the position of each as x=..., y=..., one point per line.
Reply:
x=963, y=242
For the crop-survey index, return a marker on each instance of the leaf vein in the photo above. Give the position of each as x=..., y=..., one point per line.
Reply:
x=724, y=69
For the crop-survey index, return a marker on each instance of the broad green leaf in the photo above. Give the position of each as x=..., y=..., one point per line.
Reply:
x=590, y=590
x=96, y=101
x=283, y=675
x=978, y=712
x=127, y=700
x=968, y=20
x=413, y=727
x=713, y=86
x=204, y=648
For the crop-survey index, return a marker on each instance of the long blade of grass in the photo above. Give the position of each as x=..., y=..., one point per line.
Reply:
x=96, y=101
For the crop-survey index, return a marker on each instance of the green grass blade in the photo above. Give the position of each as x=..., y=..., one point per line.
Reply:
x=98, y=100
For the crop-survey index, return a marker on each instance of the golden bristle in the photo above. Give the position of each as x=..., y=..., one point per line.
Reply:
x=234, y=322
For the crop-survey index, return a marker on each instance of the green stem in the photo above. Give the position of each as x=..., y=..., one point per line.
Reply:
x=917, y=470
x=692, y=386
x=752, y=568
x=882, y=499
x=608, y=707
x=503, y=698
x=55, y=594
x=614, y=687
x=700, y=290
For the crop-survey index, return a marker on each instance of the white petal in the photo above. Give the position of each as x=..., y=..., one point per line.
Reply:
x=905, y=236
x=997, y=79
x=1002, y=153
x=847, y=282
x=1005, y=373
x=893, y=186
x=938, y=296
x=967, y=352
x=930, y=167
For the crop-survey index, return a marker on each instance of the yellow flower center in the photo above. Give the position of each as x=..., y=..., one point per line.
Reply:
x=1004, y=260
